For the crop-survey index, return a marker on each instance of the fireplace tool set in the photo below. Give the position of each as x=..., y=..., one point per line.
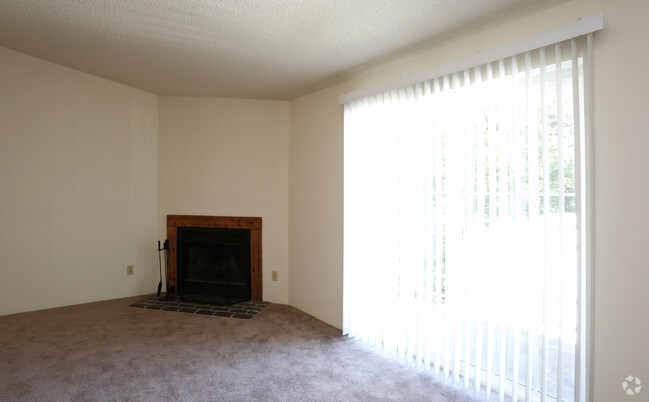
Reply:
x=170, y=291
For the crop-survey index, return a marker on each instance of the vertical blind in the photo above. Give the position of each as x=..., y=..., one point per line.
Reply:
x=462, y=223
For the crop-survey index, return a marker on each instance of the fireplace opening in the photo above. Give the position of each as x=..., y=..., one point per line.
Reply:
x=214, y=264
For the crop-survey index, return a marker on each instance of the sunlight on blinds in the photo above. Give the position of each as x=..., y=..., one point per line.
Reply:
x=461, y=205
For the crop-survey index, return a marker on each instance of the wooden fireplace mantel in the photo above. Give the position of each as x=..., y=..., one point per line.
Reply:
x=226, y=222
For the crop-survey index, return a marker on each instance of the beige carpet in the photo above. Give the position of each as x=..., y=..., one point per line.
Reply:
x=110, y=351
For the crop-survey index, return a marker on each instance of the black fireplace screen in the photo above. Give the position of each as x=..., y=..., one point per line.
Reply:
x=214, y=265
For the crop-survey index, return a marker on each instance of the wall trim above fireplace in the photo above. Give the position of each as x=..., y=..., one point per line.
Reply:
x=229, y=222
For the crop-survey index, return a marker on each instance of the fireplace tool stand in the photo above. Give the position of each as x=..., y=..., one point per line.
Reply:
x=170, y=290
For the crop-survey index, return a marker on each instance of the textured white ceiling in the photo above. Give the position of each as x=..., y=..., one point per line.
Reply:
x=263, y=49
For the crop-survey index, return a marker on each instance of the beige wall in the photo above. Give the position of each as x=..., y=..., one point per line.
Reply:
x=78, y=186
x=229, y=157
x=621, y=276
x=316, y=205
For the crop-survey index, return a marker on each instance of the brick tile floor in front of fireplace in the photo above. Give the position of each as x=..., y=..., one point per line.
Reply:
x=245, y=310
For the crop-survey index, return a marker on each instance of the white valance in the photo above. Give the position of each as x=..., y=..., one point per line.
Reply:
x=571, y=30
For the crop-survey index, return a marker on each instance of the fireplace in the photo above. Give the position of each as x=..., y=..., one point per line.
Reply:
x=215, y=259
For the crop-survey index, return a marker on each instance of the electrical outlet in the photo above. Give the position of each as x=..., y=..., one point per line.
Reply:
x=274, y=275
x=129, y=270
